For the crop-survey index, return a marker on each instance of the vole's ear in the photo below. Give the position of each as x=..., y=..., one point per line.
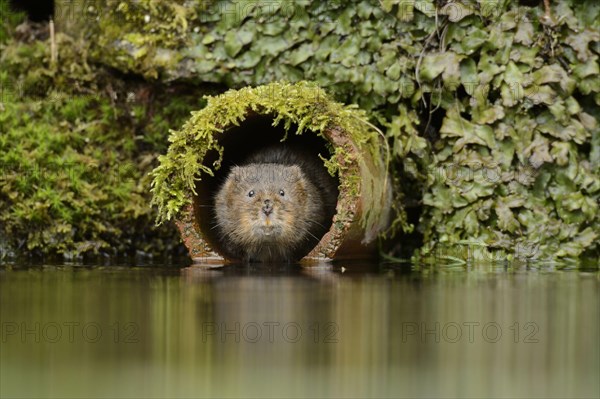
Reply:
x=292, y=173
x=236, y=173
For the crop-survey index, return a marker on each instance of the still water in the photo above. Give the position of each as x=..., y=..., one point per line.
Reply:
x=359, y=331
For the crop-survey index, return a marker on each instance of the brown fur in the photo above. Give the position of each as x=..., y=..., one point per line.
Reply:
x=297, y=219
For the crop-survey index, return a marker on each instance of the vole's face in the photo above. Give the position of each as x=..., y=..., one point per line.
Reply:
x=269, y=200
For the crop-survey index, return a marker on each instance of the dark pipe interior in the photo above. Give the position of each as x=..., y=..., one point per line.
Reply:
x=37, y=10
x=239, y=142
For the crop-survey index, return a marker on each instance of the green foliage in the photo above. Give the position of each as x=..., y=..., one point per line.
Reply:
x=9, y=19
x=511, y=95
x=513, y=170
x=491, y=109
x=76, y=146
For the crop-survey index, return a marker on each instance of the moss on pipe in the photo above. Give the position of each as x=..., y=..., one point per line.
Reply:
x=301, y=104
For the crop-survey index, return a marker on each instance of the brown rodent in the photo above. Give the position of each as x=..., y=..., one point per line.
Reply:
x=276, y=206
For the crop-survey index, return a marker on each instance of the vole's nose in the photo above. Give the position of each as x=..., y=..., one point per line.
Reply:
x=267, y=207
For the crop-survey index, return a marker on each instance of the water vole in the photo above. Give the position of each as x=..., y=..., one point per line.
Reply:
x=275, y=206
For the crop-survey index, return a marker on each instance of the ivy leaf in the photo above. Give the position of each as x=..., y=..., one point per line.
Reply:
x=525, y=32
x=580, y=42
x=506, y=218
x=301, y=54
x=468, y=133
x=233, y=44
x=434, y=64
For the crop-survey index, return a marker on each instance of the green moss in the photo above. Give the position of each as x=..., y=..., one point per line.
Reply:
x=9, y=19
x=76, y=146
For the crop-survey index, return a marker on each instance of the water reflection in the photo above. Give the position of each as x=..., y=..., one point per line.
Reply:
x=352, y=331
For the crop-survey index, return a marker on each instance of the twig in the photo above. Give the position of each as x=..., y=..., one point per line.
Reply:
x=53, y=51
x=547, y=18
x=547, y=8
x=421, y=55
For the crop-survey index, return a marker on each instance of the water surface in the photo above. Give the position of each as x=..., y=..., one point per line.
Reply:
x=358, y=331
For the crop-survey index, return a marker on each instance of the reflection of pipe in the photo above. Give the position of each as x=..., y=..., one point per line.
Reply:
x=364, y=192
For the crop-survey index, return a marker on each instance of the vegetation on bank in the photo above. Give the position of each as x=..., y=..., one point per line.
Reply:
x=491, y=109
x=77, y=142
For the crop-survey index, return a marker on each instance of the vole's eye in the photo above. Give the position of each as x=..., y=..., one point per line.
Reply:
x=251, y=193
x=281, y=192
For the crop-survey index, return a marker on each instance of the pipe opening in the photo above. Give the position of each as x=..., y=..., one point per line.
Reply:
x=239, y=142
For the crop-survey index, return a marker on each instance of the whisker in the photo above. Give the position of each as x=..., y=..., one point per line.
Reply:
x=311, y=234
x=314, y=221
